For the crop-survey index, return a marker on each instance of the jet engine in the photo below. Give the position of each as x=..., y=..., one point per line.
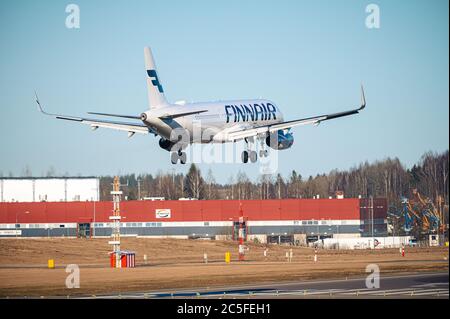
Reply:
x=166, y=144
x=280, y=140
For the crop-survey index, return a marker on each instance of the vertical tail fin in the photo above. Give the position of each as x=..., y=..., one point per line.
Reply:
x=156, y=96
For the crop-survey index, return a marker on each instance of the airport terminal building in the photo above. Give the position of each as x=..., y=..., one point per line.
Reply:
x=286, y=220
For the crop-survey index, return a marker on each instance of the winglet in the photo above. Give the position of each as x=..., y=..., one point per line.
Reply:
x=37, y=101
x=363, y=98
x=40, y=108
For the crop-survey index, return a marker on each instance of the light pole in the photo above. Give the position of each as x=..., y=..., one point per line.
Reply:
x=173, y=184
x=17, y=219
x=95, y=199
x=318, y=231
x=232, y=228
x=93, y=229
x=371, y=214
x=139, y=188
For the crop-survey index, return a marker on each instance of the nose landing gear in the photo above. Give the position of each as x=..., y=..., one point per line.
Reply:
x=180, y=155
x=263, y=152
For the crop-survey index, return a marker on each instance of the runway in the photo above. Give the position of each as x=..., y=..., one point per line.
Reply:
x=428, y=285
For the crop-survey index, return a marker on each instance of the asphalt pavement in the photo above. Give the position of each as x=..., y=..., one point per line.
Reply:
x=419, y=285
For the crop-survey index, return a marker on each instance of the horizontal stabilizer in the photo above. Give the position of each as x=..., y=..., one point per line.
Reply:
x=117, y=115
x=174, y=116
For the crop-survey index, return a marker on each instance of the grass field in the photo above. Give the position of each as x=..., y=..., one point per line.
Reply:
x=178, y=263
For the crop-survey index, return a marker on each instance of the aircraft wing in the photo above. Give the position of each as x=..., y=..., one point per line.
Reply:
x=129, y=127
x=316, y=120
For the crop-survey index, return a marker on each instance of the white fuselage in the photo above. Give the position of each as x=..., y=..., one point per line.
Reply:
x=219, y=118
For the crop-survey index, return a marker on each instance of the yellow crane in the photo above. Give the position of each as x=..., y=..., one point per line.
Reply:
x=425, y=210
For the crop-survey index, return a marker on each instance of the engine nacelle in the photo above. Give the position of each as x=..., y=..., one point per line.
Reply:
x=280, y=140
x=166, y=144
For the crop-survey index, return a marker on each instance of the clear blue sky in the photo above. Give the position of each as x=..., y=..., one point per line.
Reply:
x=308, y=56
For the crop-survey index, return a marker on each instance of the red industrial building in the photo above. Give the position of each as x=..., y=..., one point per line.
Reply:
x=198, y=218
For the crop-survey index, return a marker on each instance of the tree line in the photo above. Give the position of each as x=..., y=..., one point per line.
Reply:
x=384, y=178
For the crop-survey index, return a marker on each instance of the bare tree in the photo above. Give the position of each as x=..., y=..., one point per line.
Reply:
x=194, y=183
x=211, y=182
x=385, y=178
x=26, y=172
x=51, y=172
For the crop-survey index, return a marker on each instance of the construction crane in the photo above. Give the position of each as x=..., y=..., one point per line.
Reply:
x=410, y=217
x=420, y=215
x=431, y=217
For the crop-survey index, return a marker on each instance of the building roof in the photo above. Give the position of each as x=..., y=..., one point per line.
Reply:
x=50, y=177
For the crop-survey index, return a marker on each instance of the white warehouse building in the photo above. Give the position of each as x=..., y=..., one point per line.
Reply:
x=49, y=189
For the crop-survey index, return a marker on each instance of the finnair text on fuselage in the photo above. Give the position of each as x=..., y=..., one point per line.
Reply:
x=250, y=112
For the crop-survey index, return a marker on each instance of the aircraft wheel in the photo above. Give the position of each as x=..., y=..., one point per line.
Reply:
x=174, y=157
x=253, y=156
x=183, y=158
x=244, y=157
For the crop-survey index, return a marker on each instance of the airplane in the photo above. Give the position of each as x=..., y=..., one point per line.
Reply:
x=180, y=124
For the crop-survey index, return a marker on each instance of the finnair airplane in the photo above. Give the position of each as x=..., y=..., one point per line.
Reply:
x=255, y=121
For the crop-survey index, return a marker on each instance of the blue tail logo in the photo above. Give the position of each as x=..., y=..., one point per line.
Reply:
x=155, y=82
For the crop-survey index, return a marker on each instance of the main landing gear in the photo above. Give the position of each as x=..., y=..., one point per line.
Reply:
x=250, y=154
x=246, y=155
x=180, y=155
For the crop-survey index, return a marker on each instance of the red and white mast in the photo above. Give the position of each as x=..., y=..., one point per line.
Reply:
x=241, y=233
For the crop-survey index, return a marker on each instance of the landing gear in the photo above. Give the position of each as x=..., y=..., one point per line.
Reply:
x=253, y=156
x=183, y=158
x=249, y=154
x=263, y=152
x=180, y=155
x=174, y=157
x=244, y=157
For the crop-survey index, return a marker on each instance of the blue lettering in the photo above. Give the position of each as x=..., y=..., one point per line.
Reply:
x=256, y=106
x=228, y=114
x=244, y=111
x=273, y=110
x=250, y=111
x=265, y=111
x=240, y=113
x=235, y=113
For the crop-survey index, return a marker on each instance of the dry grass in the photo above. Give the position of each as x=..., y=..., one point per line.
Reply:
x=177, y=263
